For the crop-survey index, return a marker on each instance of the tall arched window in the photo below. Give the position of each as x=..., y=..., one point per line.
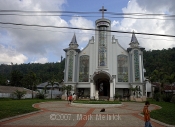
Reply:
x=84, y=69
x=136, y=65
x=70, y=66
x=122, y=68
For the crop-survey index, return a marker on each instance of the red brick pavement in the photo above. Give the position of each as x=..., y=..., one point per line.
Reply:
x=80, y=123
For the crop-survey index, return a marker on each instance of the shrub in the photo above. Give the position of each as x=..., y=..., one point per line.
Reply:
x=19, y=94
x=157, y=96
x=116, y=96
x=167, y=97
x=41, y=94
x=173, y=99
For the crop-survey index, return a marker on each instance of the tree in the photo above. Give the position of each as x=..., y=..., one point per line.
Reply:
x=16, y=77
x=159, y=76
x=136, y=91
x=171, y=79
x=67, y=88
x=19, y=94
x=52, y=83
x=33, y=80
x=41, y=94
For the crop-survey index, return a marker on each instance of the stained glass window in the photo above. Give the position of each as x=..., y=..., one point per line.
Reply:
x=70, y=66
x=84, y=69
x=102, y=47
x=136, y=65
x=122, y=68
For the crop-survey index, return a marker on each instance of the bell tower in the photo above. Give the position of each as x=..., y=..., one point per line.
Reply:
x=102, y=38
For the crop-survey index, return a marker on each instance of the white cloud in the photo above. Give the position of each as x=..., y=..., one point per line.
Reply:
x=45, y=43
x=34, y=40
x=41, y=60
x=9, y=55
x=84, y=35
x=147, y=25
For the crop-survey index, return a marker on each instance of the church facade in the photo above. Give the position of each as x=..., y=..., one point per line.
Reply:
x=104, y=68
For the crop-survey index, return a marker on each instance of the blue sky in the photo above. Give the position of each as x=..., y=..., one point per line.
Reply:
x=20, y=44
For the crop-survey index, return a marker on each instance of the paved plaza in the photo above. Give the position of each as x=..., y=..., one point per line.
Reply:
x=61, y=114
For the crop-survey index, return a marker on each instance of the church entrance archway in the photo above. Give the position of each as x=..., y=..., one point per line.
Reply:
x=102, y=84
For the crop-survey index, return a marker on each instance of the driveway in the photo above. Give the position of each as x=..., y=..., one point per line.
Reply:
x=61, y=114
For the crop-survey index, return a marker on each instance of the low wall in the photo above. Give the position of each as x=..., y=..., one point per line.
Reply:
x=96, y=105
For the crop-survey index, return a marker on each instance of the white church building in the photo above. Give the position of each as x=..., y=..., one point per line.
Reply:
x=104, y=68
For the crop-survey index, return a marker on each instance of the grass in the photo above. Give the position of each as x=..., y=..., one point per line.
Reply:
x=166, y=114
x=9, y=107
x=96, y=102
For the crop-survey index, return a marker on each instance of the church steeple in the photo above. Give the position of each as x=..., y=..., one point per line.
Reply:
x=74, y=40
x=73, y=44
x=133, y=39
x=134, y=42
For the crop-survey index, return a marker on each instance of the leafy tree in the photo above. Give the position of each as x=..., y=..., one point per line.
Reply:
x=171, y=79
x=2, y=80
x=159, y=76
x=16, y=77
x=67, y=89
x=136, y=91
x=41, y=94
x=19, y=94
x=52, y=83
x=33, y=80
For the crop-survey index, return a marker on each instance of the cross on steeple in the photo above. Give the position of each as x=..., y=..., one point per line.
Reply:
x=102, y=10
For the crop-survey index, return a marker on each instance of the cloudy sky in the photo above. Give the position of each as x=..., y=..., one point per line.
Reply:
x=23, y=44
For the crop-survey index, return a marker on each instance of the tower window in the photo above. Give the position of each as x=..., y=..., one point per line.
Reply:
x=102, y=46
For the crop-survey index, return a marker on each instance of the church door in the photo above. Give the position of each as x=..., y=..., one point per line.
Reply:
x=103, y=86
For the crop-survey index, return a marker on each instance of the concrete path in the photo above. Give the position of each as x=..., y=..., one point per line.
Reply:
x=61, y=114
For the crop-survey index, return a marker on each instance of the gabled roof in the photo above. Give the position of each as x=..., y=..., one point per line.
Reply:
x=12, y=89
x=74, y=40
x=42, y=85
x=133, y=38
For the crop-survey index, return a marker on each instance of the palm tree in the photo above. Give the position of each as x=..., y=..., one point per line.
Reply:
x=67, y=88
x=52, y=83
x=158, y=76
x=33, y=80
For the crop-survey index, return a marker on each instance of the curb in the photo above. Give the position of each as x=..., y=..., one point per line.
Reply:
x=18, y=116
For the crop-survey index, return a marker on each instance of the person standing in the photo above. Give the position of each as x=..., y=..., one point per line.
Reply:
x=70, y=98
x=146, y=113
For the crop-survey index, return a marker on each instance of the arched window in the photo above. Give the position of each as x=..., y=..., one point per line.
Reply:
x=136, y=65
x=84, y=69
x=122, y=68
x=70, y=66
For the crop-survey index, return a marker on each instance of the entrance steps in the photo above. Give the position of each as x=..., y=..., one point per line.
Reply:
x=103, y=97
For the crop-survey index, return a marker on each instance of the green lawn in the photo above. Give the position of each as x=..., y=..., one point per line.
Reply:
x=9, y=107
x=166, y=114
x=96, y=102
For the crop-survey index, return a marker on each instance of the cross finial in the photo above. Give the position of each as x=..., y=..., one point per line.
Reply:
x=102, y=10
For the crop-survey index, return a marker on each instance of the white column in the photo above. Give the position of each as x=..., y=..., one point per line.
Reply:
x=92, y=90
x=140, y=68
x=114, y=84
x=111, y=91
x=146, y=88
x=94, y=87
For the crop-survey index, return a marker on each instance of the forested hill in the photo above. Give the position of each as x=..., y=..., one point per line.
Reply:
x=17, y=74
x=160, y=60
